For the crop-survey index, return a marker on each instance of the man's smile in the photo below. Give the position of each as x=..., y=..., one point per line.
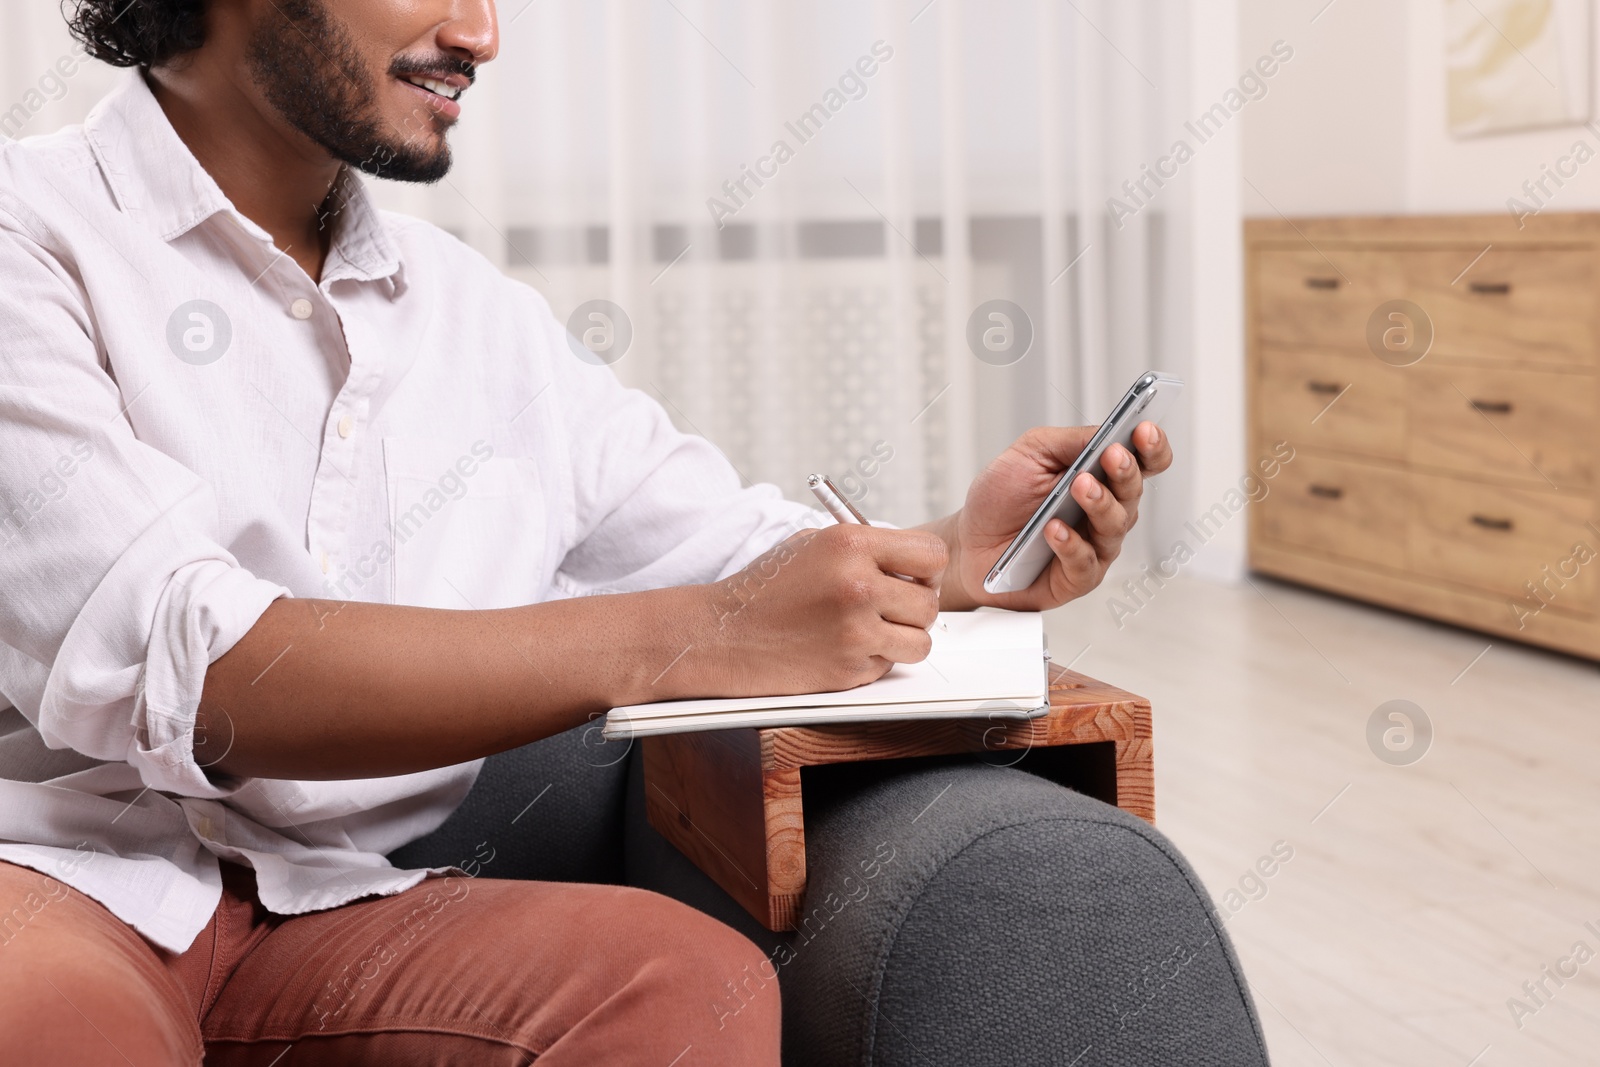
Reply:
x=439, y=90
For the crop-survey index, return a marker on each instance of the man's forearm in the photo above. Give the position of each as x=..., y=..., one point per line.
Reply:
x=318, y=689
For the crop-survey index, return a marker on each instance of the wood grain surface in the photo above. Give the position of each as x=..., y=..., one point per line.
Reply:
x=1457, y=479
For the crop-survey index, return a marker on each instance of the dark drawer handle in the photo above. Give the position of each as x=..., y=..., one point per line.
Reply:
x=1490, y=288
x=1322, y=283
x=1324, y=387
x=1491, y=407
x=1327, y=492
x=1491, y=523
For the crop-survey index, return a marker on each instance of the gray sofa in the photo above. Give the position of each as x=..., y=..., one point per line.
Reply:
x=957, y=912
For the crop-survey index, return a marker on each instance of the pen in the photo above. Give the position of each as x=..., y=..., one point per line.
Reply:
x=838, y=506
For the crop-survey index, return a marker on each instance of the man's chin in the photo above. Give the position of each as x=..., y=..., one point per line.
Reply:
x=404, y=164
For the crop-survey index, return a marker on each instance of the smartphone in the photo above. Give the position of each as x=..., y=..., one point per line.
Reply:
x=1025, y=558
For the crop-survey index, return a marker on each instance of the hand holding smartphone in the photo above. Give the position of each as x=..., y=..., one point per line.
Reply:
x=1147, y=400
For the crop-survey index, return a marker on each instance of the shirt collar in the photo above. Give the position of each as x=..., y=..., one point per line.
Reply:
x=155, y=178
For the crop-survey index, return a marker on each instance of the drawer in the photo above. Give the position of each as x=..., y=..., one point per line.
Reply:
x=1324, y=400
x=1306, y=299
x=1527, y=305
x=1497, y=540
x=1344, y=508
x=1522, y=425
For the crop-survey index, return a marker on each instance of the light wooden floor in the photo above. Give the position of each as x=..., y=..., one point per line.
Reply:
x=1419, y=898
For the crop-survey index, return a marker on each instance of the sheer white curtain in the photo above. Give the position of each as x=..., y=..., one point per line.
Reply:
x=806, y=211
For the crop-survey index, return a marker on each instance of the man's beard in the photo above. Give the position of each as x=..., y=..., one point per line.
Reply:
x=308, y=68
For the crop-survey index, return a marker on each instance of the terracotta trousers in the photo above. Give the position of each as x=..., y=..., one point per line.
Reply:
x=453, y=971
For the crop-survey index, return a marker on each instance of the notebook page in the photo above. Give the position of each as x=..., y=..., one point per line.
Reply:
x=980, y=655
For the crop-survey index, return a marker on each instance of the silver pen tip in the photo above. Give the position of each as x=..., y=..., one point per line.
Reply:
x=814, y=480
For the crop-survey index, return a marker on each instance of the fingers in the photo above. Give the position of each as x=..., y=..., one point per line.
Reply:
x=905, y=609
x=1055, y=447
x=1109, y=518
x=1155, y=452
x=1081, y=558
x=1122, y=475
x=905, y=644
x=905, y=603
x=1078, y=566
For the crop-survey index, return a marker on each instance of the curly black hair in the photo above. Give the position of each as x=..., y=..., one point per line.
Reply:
x=136, y=33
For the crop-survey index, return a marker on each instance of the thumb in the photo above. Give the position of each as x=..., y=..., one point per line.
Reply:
x=1055, y=447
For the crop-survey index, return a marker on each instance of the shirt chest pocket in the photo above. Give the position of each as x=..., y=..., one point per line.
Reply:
x=470, y=527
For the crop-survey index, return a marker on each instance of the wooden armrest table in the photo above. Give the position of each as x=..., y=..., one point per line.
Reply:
x=731, y=801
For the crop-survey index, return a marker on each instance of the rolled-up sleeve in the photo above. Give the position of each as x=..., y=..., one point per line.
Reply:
x=116, y=592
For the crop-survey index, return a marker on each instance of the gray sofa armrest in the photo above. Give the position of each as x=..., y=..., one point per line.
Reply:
x=550, y=811
x=962, y=913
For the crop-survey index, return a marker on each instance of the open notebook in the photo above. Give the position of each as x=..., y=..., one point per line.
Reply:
x=982, y=663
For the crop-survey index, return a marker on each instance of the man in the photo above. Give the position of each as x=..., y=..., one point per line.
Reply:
x=301, y=502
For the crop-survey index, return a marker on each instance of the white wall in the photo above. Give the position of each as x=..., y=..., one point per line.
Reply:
x=1216, y=389
x=1355, y=124
x=1330, y=136
x=1445, y=174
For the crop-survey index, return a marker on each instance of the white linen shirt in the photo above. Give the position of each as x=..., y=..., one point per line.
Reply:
x=190, y=428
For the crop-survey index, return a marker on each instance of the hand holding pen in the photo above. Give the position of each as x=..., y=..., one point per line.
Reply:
x=840, y=508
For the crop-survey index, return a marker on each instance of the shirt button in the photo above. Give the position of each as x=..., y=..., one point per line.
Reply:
x=325, y=563
x=301, y=309
x=346, y=425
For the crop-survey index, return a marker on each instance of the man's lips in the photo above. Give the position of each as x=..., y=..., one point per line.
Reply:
x=439, y=91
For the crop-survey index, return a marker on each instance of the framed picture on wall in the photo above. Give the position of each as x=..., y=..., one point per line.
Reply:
x=1516, y=64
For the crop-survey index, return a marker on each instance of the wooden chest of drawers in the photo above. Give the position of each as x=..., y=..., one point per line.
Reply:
x=1437, y=378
